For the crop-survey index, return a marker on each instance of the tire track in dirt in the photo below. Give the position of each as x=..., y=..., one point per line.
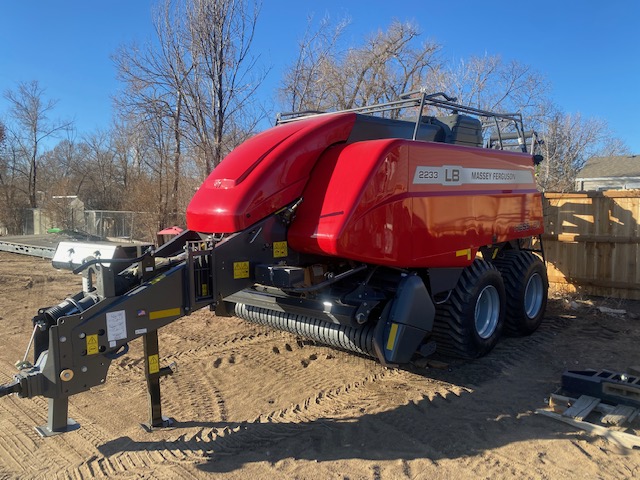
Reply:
x=283, y=423
x=509, y=353
x=292, y=368
x=347, y=401
x=77, y=454
x=198, y=393
x=330, y=386
x=329, y=409
x=204, y=396
x=199, y=444
x=197, y=389
x=242, y=340
x=510, y=359
x=195, y=349
x=132, y=465
x=253, y=363
x=69, y=450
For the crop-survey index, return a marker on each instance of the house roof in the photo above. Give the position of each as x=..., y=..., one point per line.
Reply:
x=603, y=167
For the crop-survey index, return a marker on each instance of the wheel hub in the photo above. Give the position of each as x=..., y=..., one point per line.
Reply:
x=487, y=311
x=533, y=296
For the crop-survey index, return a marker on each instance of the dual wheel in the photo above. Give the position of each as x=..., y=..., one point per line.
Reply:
x=509, y=293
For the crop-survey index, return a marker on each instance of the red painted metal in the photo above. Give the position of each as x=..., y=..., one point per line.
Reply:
x=363, y=204
x=389, y=202
x=264, y=174
x=175, y=230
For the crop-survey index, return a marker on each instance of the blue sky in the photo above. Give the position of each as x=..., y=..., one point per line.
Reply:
x=587, y=50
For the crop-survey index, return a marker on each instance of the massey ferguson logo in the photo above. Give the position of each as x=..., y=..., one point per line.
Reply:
x=454, y=175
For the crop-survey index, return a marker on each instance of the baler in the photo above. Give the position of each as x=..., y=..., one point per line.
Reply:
x=392, y=238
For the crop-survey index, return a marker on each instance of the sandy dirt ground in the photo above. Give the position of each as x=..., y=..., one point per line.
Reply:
x=256, y=403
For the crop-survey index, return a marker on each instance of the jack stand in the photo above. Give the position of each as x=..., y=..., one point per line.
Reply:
x=153, y=372
x=58, y=421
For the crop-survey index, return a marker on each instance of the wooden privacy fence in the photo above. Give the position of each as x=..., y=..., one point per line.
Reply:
x=592, y=242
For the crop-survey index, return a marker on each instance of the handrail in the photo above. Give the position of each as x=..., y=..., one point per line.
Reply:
x=420, y=99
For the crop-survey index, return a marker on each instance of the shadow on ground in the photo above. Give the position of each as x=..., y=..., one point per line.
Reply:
x=489, y=403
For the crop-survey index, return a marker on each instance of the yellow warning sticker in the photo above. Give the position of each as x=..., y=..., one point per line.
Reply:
x=92, y=344
x=155, y=280
x=169, y=312
x=240, y=270
x=154, y=364
x=280, y=249
x=205, y=290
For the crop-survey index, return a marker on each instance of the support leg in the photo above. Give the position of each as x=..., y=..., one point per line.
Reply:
x=153, y=372
x=58, y=420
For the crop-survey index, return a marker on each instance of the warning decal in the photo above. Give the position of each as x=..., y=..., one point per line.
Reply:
x=280, y=249
x=240, y=270
x=154, y=364
x=92, y=344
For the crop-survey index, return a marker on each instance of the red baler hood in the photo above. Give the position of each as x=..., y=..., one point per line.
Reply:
x=264, y=174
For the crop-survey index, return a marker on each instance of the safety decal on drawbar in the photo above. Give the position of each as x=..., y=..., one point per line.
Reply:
x=280, y=249
x=92, y=344
x=240, y=270
x=454, y=175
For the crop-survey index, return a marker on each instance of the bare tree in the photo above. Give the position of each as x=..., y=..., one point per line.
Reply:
x=192, y=88
x=143, y=158
x=154, y=80
x=13, y=186
x=30, y=111
x=221, y=90
x=305, y=86
x=387, y=64
x=490, y=83
x=104, y=186
x=569, y=141
x=59, y=165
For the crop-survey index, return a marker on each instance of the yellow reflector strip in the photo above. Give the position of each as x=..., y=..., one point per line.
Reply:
x=92, y=344
x=154, y=364
x=155, y=280
x=240, y=270
x=464, y=253
x=280, y=249
x=391, y=341
x=170, y=312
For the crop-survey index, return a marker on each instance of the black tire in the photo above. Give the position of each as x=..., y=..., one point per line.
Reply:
x=526, y=285
x=469, y=323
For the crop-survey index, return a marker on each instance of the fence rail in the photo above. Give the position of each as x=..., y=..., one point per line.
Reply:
x=592, y=242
